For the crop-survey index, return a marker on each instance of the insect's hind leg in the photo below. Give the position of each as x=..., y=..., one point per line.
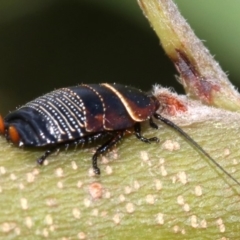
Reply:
x=137, y=129
x=118, y=135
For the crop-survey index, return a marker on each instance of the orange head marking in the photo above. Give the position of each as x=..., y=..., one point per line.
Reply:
x=13, y=135
x=2, y=126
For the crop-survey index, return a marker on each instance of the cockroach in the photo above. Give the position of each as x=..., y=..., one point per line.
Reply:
x=84, y=114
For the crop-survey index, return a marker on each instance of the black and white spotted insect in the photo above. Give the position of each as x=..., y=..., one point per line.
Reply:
x=83, y=114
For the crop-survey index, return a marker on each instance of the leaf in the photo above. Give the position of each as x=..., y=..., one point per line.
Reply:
x=161, y=190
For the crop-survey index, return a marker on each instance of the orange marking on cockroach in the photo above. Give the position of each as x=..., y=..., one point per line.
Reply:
x=2, y=125
x=13, y=135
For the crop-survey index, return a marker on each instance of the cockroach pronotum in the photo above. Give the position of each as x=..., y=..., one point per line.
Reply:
x=84, y=114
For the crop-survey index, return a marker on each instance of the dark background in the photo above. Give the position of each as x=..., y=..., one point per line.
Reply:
x=47, y=44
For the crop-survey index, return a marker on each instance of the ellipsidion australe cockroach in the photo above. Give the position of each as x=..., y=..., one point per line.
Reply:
x=86, y=113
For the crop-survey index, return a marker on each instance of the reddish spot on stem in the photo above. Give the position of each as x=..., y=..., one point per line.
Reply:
x=200, y=86
x=170, y=104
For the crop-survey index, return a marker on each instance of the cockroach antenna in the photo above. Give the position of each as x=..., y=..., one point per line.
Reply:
x=195, y=144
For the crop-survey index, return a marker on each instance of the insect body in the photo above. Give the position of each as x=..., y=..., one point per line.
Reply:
x=83, y=114
x=78, y=115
